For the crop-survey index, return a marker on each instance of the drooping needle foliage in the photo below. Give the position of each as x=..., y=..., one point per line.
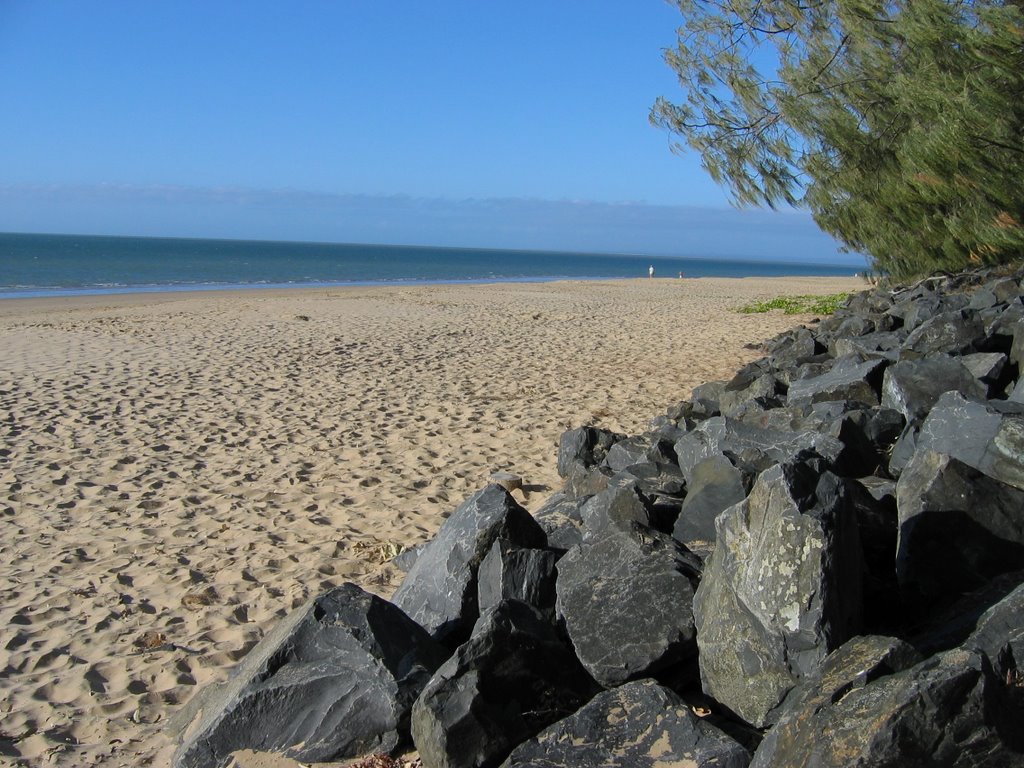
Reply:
x=899, y=124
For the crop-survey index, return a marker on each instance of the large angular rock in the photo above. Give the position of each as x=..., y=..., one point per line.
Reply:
x=626, y=599
x=440, y=590
x=956, y=332
x=957, y=529
x=560, y=518
x=638, y=725
x=335, y=679
x=511, y=679
x=987, y=436
x=999, y=634
x=850, y=378
x=948, y=710
x=509, y=572
x=619, y=506
x=781, y=590
x=763, y=392
x=854, y=665
x=755, y=446
x=912, y=387
x=715, y=486
x=587, y=446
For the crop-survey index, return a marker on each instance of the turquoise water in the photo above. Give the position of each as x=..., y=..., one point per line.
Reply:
x=56, y=265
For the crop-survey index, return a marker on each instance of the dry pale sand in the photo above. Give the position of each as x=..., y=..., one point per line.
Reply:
x=178, y=471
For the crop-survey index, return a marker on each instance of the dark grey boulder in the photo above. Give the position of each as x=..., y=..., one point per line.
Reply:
x=881, y=344
x=586, y=481
x=509, y=572
x=999, y=634
x=405, y=559
x=956, y=332
x=585, y=445
x=986, y=367
x=440, y=590
x=560, y=518
x=638, y=725
x=948, y=710
x=874, y=503
x=957, y=529
x=619, y=506
x=714, y=487
x=780, y=591
x=988, y=436
x=850, y=378
x=626, y=599
x=792, y=348
x=912, y=387
x=335, y=679
x=511, y=679
x=756, y=447
x=705, y=399
x=763, y=392
x=638, y=450
x=854, y=665
x=653, y=479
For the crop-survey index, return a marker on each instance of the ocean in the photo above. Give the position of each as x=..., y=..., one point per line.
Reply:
x=60, y=265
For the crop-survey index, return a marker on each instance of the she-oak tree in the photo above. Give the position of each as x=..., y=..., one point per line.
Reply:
x=899, y=125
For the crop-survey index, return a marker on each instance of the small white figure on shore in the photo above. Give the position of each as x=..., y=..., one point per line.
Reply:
x=650, y=271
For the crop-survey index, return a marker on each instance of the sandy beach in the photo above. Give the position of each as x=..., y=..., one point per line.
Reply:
x=177, y=471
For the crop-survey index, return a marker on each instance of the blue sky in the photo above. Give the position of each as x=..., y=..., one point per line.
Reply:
x=447, y=123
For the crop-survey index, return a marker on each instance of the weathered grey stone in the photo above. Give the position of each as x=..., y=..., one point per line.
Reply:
x=715, y=486
x=626, y=599
x=620, y=506
x=986, y=367
x=780, y=591
x=884, y=344
x=999, y=634
x=854, y=665
x=948, y=710
x=705, y=399
x=405, y=559
x=955, y=332
x=912, y=387
x=792, y=348
x=988, y=436
x=957, y=529
x=585, y=445
x=560, y=518
x=762, y=392
x=334, y=679
x=638, y=725
x=509, y=572
x=631, y=450
x=440, y=590
x=757, y=447
x=586, y=481
x=511, y=679
x=653, y=479
x=850, y=378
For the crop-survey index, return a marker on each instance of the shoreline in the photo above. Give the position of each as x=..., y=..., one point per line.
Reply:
x=181, y=470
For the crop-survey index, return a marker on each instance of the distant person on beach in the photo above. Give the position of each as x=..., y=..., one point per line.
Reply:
x=650, y=271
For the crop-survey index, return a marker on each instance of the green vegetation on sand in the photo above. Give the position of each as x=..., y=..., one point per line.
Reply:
x=797, y=305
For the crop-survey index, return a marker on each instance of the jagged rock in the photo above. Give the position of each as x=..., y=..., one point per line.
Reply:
x=912, y=387
x=626, y=599
x=854, y=665
x=638, y=450
x=792, y=348
x=715, y=486
x=619, y=506
x=586, y=445
x=850, y=378
x=638, y=725
x=509, y=572
x=999, y=634
x=956, y=333
x=948, y=710
x=586, y=481
x=334, y=679
x=705, y=399
x=440, y=590
x=780, y=591
x=654, y=479
x=405, y=559
x=988, y=436
x=958, y=529
x=760, y=448
x=762, y=392
x=560, y=518
x=884, y=344
x=511, y=679
x=986, y=367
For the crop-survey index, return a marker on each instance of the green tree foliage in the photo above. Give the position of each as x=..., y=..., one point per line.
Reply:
x=899, y=124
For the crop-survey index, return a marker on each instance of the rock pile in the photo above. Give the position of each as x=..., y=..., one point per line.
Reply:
x=819, y=562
